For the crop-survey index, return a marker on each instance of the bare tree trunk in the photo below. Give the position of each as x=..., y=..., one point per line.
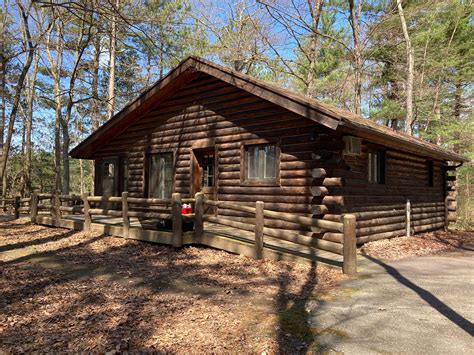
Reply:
x=18, y=90
x=315, y=11
x=356, y=54
x=55, y=69
x=29, y=125
x=3, y=93
x=410, y=71
x=112, y=53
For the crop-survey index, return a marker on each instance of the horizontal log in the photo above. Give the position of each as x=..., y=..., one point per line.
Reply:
x=148, y=201
x=44, y=207
x=24, y=209
x=70, y=198
x=73, y=209
x=332, y=237
x=305, y=221
x=104, y=199
x=105, y=212
x=379, y=229
x=379, y=236
x=230, y=206
x=228, y=222
x=421, y=222
x=44, y=196
x=304, y=240
x=25, y=199
x=149, y=215
x=380, y=221
x=428, y=227
x=369, y=215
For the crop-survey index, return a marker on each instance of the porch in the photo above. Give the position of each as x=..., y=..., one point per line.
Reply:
x=162, y=221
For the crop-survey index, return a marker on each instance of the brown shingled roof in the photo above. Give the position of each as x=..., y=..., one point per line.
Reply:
x=321, y=113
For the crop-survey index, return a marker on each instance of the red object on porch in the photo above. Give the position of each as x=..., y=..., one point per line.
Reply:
x=186, y=209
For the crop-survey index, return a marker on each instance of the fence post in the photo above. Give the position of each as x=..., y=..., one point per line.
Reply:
x=177, y=220
x=87, y=216
x=126, y=219
x=198, y=216
x=16, y=206
x=408, y=218
x=259, y=224
x=56, y=207
x=349, y=264
x=34, y=206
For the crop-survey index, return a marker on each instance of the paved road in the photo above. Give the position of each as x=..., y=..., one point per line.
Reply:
x=415, y=305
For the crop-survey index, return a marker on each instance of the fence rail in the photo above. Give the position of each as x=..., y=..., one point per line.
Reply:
x=338, y=237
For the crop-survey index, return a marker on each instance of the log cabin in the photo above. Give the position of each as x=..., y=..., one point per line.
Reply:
x=206, y=128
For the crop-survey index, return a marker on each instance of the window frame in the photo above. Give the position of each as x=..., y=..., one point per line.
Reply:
x=147, y=170
x=116, y=161
x=244, y=181
x=381, y=166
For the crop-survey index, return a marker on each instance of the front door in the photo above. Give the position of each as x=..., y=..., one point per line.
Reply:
x=204, y=172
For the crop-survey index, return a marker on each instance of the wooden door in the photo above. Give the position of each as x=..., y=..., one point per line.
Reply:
x=204, y=170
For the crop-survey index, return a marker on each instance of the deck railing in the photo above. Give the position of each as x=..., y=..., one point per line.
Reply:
x=335, y=237
x=338, y=237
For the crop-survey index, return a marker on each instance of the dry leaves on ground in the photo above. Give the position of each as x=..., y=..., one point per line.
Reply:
x=422, y=244
x=71, y=291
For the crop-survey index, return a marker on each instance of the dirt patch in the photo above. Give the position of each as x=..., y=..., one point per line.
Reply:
x=422, y=244
x=72, y=291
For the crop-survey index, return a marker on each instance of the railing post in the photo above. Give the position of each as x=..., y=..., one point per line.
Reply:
x=126, y=219
x=408, y=218
x=446, y=213
x=34, y=206
x=349, y=264
x=56, y=206
x=198, y=216
x=16, y=206
x=177, y=220
x=259, y=224
x=87, y=216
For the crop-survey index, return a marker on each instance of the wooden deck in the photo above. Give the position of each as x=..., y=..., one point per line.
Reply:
x=216, y=236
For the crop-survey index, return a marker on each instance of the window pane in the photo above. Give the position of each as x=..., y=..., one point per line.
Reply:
x=161, y=175
x=108, y=178
x=260, y=162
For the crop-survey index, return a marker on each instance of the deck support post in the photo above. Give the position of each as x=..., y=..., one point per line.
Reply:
x=34, y=206
x=349, y=264
x=259, y=225
x=126, y=219
x=198, y=215
x=408, y=218
x=87, y=216
x=446, y=213
x=177, y=220
x=16, y=206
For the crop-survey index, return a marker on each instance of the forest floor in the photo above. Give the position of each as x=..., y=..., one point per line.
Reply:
x=63, y=290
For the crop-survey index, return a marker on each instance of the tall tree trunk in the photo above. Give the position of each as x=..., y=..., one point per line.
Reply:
x=356, y=54
x=112, y=54
x=3, y=92
x=95, y=111
x=315, y=11
x=55, y=69
x=410, y=70
x=29, y=124
x=18, y=90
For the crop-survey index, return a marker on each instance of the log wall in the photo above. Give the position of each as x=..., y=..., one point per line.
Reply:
x=208, y=109
x=380, y=208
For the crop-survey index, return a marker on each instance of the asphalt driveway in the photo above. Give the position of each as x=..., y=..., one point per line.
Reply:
x=414, y=305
